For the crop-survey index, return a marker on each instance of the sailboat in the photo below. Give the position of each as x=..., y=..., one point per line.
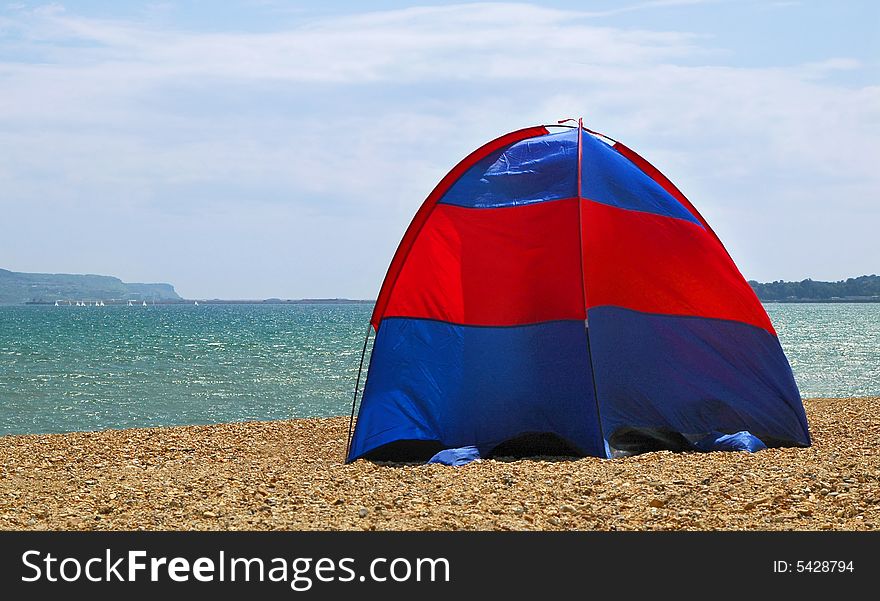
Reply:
x=130, y=304
x=196, y=303
x=56, y=304
x=145, y=303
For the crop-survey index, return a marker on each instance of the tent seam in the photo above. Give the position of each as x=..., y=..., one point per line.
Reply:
x=581, y=201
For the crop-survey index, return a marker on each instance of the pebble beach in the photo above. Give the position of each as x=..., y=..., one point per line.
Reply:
x=289, y=475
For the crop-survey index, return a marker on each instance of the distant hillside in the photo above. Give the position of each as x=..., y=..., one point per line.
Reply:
x=17, y=288
x=865, y=288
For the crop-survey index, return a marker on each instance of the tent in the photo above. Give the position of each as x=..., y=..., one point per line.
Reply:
x=556, y=291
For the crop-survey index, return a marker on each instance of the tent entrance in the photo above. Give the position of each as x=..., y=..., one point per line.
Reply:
x=624, y=442
x=536, y=444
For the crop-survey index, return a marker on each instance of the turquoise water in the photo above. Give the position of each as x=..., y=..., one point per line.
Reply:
x=89, y=368
x=833, y=348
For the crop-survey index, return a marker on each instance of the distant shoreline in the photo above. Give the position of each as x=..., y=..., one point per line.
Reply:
x=20, y=288
x=217, y=301
x=348, y=301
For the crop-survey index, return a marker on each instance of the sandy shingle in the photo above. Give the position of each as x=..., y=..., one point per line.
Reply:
x=290, y=475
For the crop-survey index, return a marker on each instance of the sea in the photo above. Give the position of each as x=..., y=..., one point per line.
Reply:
x=68, y=369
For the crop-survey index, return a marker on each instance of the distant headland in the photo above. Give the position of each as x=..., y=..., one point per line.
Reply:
x=18, y=288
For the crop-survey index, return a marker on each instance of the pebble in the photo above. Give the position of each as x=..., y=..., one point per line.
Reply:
x=290, y=475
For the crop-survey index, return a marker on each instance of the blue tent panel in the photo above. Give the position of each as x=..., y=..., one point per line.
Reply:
x=530, y=171
x=693, y=376
x=471, y=385
x=610, y=178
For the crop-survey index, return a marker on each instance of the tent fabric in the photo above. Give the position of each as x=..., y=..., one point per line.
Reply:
x=525, y=172
x=466, y=385
x=659, y=265
x=424, y=212
x=738, y=441
x=456, y=457
x=611, y=179
x=692, y=376
x=482, y=267
x=555, y=283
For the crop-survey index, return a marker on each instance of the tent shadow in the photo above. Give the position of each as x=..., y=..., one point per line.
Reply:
x=532, y=446
x=498, y=458
x=541, y=458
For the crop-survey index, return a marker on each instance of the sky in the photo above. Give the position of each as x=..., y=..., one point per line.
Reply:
x=259, y=148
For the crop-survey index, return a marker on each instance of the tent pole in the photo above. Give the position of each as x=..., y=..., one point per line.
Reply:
x=357, y=386
x=580, y=155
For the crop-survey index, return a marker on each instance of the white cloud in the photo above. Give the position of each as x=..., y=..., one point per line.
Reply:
x=345, y=117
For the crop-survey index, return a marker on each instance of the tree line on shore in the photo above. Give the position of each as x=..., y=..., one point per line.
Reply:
x=863, y=288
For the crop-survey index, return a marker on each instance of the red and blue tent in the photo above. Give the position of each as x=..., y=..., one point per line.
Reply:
x=556, y=287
